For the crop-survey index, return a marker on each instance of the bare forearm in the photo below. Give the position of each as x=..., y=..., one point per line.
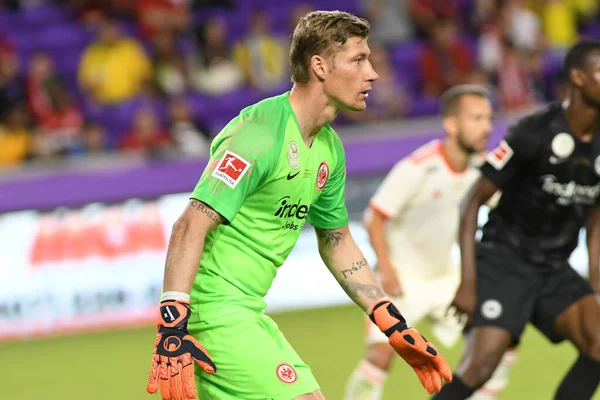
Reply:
x=593, y=245
x=185, y=247
x=349, y=267
x=479, y=194
x=361, y=287
x=467, y=231
x=183, y=259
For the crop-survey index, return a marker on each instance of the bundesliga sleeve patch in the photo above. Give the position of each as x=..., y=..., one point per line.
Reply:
x=500, y=155
x=231, y=169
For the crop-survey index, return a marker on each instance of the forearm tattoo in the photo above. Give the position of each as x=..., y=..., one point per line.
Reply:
x=356, y=266
x=329, y=237
x=204, y=209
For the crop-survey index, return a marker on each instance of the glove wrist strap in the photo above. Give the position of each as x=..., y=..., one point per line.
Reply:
x=379, y=303
x=176, y=296
x=174, y=314
x=387, y=317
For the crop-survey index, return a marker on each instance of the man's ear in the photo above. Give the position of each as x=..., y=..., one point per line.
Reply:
x=450, y=125
x=319, y=66
x=577, y=77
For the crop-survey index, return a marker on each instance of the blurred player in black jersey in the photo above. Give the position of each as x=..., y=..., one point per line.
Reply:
x=548, y=169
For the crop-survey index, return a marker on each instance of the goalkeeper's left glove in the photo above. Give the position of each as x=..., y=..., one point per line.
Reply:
x=421, y=355
x=175, y=352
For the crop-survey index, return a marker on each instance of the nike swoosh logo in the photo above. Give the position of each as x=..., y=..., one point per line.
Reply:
x=290, y=176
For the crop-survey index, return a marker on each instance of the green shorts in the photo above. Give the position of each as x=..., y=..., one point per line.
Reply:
x=254, y=360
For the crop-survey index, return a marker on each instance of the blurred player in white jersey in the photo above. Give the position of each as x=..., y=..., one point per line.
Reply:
x=412, y=221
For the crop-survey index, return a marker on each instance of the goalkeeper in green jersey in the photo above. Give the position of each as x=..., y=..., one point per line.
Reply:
x=272, y=168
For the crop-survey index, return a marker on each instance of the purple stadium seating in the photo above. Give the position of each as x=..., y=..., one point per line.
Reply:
x=405, y=58
x=39, y=16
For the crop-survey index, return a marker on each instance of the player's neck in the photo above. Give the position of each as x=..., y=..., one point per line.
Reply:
x=312, y=109
x=583, y=118
x=456, y=158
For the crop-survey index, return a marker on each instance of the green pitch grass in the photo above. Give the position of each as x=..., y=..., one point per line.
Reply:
x=114, y=365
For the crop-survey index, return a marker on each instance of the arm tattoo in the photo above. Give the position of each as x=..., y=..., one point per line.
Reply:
x=329, y=237
x=356, y=266
x=353, y=289
x=209, y=212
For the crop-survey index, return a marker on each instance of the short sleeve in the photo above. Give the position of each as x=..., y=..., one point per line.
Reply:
x=518, y=147
x=329, y=211
x=243, y=155
x=398, y=187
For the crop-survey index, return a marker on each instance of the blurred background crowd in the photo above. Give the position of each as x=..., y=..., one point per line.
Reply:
x=86, y=78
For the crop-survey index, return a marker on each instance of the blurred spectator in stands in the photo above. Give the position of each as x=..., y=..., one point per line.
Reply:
x=478, y=77
x=390, y=21
x=188, y=135
x=169, y=68
x=60, y=124
x=211, y=67
x=90, y=12
x=94, y=12
x=388, y=98
x=560, y=19
x=445, y=60
x=11, y=85
x=124, y=10
x=428, y=13
x=523, y=26
x=63, y=116
x=489, y=41
x=158, y=16
x=535, y=66
x=145, y=135
x=515, y=85
x=113, y=68
x=40, y=71
x=262, y=56
x=484, y=12
x=15, y=137
x=93, y=141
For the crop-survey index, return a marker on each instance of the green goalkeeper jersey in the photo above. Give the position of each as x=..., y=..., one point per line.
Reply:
x=266, y=183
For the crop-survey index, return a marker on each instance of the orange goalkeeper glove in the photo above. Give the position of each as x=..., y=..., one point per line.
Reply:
x=175, y=351
x=421, y=355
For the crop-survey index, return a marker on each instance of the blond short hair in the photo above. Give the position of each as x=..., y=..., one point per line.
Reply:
x=322, y=33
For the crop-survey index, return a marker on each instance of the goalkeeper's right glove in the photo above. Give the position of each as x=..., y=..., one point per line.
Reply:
x=175, y=351
x=421, y=355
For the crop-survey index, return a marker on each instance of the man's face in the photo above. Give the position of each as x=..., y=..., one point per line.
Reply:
x=473, y=122
x=590, y=87
x=350, y=75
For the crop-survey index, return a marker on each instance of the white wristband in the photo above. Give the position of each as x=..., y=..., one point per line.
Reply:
x=177, y=296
